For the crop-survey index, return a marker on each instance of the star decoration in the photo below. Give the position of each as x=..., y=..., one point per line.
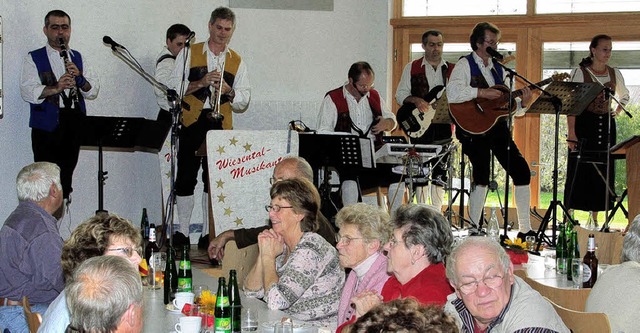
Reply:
x=233, y=141
x=220, y=150
x=238, y=221
x=221, y=197
x=228, y=211
x=247, y=147
x=219, y=183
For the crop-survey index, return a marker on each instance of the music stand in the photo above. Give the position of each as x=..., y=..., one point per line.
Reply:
x=329, y=150
x=127, y=134
x=568, y=98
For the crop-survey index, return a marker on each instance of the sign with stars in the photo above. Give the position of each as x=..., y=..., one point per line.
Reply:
x=240, y=166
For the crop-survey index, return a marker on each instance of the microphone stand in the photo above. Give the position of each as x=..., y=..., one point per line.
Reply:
x=609, y=95
x=511, y=74
x=175, y=108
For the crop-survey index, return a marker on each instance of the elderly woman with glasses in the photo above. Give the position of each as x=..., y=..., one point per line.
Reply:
x=364, y=229
x=488, y=297
x=297, y=270
x=102, y=234
x=420, y=242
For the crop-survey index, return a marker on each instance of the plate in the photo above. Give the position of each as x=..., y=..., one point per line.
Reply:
x=172, y=308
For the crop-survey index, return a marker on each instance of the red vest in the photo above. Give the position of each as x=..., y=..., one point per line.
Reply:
x=344, y=120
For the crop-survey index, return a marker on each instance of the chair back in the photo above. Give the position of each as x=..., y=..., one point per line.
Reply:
x=609, y=245
x=574, y=299
x=34, y=319
x=578, y=321
x=241, y=260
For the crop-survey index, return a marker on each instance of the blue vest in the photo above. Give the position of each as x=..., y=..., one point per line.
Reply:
x=44, y=116
x=477, y=79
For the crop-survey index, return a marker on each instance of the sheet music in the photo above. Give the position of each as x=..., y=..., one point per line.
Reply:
x=366, y=152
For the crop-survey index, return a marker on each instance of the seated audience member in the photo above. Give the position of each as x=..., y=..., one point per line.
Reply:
x=288, y=167
x=105, y=296
x=364, y=229
x=404, y=315
x=102, y=234
x=296, y=271
x=420, y=242
x=30, y=246
x=489, y=298
x=617, y=290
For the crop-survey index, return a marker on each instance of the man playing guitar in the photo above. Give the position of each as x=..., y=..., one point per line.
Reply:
x=418, y=78
x=472, y=78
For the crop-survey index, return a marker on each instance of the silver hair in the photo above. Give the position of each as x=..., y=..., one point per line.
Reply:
x=424, y=226
x=631, y=243
x=34, y=181
x=371, y=221
x=480, y=242
x=102, y=290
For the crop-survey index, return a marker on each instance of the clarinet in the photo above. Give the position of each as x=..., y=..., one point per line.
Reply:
x=73, y=92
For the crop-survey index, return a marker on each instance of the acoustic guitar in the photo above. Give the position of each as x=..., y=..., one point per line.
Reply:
x=415, y=122
x=478, y=115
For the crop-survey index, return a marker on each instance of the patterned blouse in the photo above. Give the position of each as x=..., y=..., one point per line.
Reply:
x=310, y=281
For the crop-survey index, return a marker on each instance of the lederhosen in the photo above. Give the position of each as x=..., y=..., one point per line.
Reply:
x=478, y=147
x=56, y=132
x=436, y=132
x=195, y=124
x=588, y=190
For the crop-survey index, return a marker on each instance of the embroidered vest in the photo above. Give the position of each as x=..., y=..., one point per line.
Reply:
x=477, y=79
x=44, y=116
x=343, y=124
x=599, y=105
x=419, y=84
x=193, y=104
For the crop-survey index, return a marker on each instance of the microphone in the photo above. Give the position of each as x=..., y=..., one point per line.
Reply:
x=495, y=54
x=191, y=35
x=108, y=40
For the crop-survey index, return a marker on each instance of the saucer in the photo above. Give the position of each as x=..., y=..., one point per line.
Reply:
x=171, y=308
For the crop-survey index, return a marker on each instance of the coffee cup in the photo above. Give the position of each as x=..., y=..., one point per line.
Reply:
x=182, y=298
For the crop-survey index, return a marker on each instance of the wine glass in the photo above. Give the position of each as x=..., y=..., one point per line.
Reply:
x=248, y=320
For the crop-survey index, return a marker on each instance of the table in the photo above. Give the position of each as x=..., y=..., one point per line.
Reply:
x=159, y=320
x=536, y=271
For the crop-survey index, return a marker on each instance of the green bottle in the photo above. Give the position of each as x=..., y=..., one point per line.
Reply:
x=185, y=277
x=170, y=276
x=222, y=312
x=234, y=301
x=573, y=251
x=561, y=251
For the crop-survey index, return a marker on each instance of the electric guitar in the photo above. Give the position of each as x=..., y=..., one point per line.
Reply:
x=415, y=122
x=478, y=115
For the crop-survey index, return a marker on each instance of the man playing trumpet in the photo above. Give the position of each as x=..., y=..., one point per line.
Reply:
x=215, y=84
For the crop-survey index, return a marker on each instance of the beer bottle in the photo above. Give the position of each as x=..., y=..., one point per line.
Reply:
x=170, y=276
x=234, y=301
x=590, y=264
x=493, y=228
x=222, y=312
x=144, y=229
x=561, y=251
x=152, y=246
x=185, y=279
x=574, y=252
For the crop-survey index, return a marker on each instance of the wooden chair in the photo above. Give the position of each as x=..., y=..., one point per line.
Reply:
x=574, y=299
x=578, y=321
x=609, y=245
x=241, y=260
x=34, y=319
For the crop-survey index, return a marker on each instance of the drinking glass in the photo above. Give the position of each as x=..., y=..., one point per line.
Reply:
x=549, y=261
x=157, y=264
x=531, y=243
x=577, y=272
x=249, y=320
x=285, y=327
x=197, y=290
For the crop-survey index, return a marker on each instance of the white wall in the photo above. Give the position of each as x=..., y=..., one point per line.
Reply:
x=293, y=57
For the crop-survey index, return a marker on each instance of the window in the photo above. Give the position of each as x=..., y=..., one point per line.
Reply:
x=463, y=7
x=586, y=6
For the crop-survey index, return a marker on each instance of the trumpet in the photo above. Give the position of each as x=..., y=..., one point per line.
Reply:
x=214, y=113
x=73, y=92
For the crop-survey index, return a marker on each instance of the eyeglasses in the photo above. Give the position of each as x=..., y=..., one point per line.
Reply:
x=395, y=242
x=274, y=180
x=492, y=282
x=493, y=43
x=128, y=251
x=275, y=208
x=346, y=240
